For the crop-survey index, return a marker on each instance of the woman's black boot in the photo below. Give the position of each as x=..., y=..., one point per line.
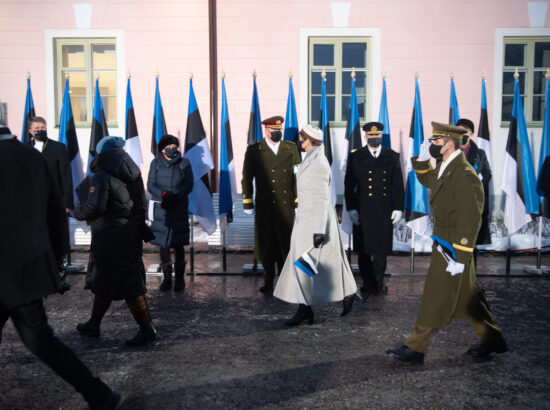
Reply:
x=304, y=313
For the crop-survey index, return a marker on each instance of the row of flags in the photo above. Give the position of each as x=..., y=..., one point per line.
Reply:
x=518, y=180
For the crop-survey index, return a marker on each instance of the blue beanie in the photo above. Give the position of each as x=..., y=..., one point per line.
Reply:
x=109, y=143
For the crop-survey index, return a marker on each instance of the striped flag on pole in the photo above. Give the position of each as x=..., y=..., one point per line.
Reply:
x=198, y=153
x=159, y=124
x=132, y=146
x=291, y=119
x=255, y=123
x=383, y=117
x=454, y=115
x=324, y=124
x=483, y=135
x=518, y=175
x=99, y=125
x=28, y=113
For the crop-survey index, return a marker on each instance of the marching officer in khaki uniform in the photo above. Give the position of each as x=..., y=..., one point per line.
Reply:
x=451, y=289
x=374, y=198
x=271, y=165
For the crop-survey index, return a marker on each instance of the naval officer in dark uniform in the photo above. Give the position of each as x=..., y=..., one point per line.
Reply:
x=374, y=198
x=270, y=165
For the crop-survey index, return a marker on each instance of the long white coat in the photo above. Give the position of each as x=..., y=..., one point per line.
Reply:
x=315, y=214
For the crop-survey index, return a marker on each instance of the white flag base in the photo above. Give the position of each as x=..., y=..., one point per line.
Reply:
x=533, y=270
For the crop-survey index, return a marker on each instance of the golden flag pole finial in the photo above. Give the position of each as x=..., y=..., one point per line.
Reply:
x=223, y=73
x=452, y=74
x=28, y=74
x=67, y=75
x=96, y=75
x=254, y=75
x=157, y=74
x=384, y=76
x=353, y=72
x=547, y=75
x=516, y=73
x=128, y=75
x=416, y=75
x=191, y=76
x=323, y=73
x=484, y=74
x=290, y=73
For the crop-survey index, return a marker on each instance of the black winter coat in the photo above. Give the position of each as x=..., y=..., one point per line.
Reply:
x=170, y=226
x=374, y=187
x=477, y=159
x=116, y=210
x=33, y=225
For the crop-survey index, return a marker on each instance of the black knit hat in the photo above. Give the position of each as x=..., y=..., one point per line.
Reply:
x=167, y=140
x=466, y=123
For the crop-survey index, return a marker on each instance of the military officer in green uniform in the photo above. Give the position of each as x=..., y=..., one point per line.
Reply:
x=271, y=165
x=451, y=289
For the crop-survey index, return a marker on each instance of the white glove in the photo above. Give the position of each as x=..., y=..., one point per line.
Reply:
x=396, y=216
x=425, y=151
x=249, y=211
x=354, y=216
x=454, y=268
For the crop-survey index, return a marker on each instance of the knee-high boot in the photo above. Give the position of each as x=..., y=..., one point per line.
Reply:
x=99, y=308
x=304, y=313
x=166, y=284
x=179, y=284
x=147, y=333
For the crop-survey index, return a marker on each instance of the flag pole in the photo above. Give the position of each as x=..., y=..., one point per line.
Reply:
x=412, y=251
x=192, y=247
x=224, y=251
x=255, y=264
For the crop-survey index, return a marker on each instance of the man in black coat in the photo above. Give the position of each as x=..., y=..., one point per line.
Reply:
x=374, y=198
x=56, y=155
x=478, y=159
x=33, y=225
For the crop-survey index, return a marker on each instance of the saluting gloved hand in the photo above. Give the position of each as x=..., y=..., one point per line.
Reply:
x=319, y=239
x=454, y=268
x=354, y=216
x=169, y=199
x=396, y=216
x=425, y=151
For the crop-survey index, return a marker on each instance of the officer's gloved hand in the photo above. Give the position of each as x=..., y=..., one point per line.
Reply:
x=454, y=268
x=249, y=211
x=396, y=216
x=354, y=216
x=425, y=151
x=319, y=239
x=169, y=199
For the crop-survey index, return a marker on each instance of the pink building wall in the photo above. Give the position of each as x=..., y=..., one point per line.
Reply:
x=431, y=37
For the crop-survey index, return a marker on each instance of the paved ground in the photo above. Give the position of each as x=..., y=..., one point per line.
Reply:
x=224, y=345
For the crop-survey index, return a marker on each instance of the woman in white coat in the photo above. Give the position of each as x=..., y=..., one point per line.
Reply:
x=316, y=233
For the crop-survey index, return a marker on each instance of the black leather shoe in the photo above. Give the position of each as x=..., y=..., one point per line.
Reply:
x=348, y=304
x=406, y=355
x=146, y=335
x=267, y=287
x=63, y=287
x=89, y=328
x=304, y=313
x=179, y=284
x=483, y=350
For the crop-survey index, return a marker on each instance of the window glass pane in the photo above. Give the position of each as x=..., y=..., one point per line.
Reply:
x=331, y=103
x=345, y=107
x=539, y=82
x=109, y=107
x=78, y=105
x=507, y=105
x=542, y=54
x=103, y=57
x=316, y=82
x=354, y=55
x=315, y=109
x=359, y=82
x=514, y=55
x=77, y=84
x=107, y=84
x=323, y=54
x=331, y=83
x=538, y=108
x=508, y=82
x=72, y=56
x=361, y=106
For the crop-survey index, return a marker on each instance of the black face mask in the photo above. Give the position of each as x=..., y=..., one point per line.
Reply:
x=299, y=143
x=41, y=135
x=171, y=152
x=374, y=142
x=465, y=139
x=276, y=136
x=435, y=151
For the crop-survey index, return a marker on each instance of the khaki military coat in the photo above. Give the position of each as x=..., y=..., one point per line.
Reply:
x=457, y=203
x=315, y=214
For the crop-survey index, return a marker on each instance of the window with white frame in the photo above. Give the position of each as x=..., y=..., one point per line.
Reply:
x=338, y=57
x=531, y=56
x=84, y=59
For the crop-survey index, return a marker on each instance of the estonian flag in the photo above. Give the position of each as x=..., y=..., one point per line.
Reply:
x=518, y=176
x=255, y=123
x=228, y=185
x=132, y=146
x=159, y=124
x=445, y=247
x=324, y=124
x=383, y=117
x=291, y=119
x=29, y=112
x=483, y=135
x=454, y=115
x=199, y=155
x=306, y=264
x=545, y=141
x=99, y=125
x=67, y=136
x=351, y=143
x=416, y=195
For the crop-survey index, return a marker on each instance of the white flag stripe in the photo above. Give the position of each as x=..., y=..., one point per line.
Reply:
x=307, y=257
x=420, y=225
x=515, y=213
x=232, y=181
x=200, y=201
x=200, y=158
x=132, y=147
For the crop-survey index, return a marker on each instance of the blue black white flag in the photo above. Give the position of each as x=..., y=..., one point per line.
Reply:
x=383, y=117
x=255, y=123
x=228, y=184
x=416, y=195
x=159, y=124
x=306, y=264
x=132, y=146
x=291, y=119
x=518, y=176
x=483, y=135
x=29, y=112
x=545, y=141
x=324, y=125
x=454, y=115
x=198, y=153
x=99, y=125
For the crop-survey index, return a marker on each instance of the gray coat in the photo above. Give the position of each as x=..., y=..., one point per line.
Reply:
x=315, y=214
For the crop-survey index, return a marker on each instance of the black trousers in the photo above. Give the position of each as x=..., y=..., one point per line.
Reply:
x=372, y=268
x=31, y=324
x=166, y=259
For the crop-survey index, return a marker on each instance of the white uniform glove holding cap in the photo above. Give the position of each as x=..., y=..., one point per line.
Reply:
x=396, y=216
x=425, y=151
x=454, y=268
x=354, y=216
x=249, y=211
